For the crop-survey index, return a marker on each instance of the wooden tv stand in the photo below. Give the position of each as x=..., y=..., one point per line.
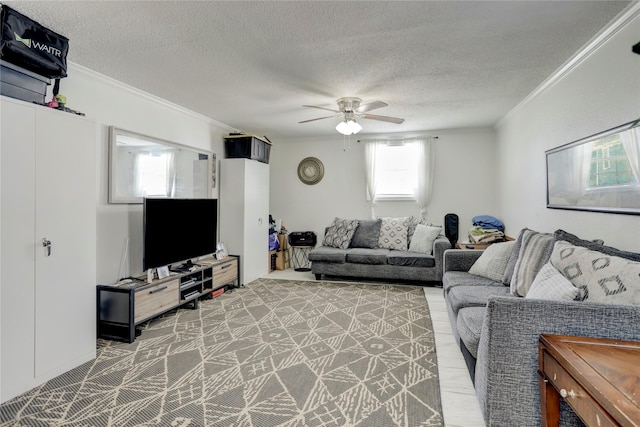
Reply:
x=128, y=303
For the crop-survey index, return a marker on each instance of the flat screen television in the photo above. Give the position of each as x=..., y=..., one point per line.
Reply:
x=178, y=230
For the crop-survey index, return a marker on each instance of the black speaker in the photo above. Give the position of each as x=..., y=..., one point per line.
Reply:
x=451, y=228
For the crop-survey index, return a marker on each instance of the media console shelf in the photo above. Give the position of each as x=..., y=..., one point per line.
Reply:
x=128, y=303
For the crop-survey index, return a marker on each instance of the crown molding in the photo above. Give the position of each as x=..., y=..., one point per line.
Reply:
x=606, y=34
x=137, y=92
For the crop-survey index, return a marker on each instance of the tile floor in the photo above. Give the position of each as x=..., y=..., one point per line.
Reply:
x=459, y=403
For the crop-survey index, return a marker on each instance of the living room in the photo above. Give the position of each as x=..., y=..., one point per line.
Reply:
x=497, y=169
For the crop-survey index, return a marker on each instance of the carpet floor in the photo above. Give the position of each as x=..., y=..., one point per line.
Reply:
x=274, y=353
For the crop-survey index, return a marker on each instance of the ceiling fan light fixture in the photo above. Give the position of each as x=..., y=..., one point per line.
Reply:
x=348, y=127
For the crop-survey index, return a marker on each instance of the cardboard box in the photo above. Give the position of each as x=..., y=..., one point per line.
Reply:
x=282, y=259
x=282, y=239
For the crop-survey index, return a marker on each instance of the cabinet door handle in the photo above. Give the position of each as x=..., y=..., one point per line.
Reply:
x=225, y=266
x=46, y=243
x=158, y=290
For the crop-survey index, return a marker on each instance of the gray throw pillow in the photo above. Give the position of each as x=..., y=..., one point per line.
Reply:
x=493, y=261
x=511, y=264
x=367, y=234
x=340, y=232
x=535, y=251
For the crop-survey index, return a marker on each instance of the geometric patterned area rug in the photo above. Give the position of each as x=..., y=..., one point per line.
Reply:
x=274, y=353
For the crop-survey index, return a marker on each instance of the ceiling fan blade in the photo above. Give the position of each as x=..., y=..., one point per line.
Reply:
x=383, y=118
x=322, y=108
x=319, y=118
x=370, y=106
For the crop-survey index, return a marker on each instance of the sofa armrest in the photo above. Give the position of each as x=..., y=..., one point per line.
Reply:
x=506, y=369
x=460, y=259
x=440, y=246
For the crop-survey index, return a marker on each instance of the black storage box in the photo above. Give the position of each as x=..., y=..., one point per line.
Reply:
x=30, y=45
x=247, y=147
x=302, y=238
x=17, y=82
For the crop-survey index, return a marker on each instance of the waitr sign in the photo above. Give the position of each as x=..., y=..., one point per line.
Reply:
x=32, y=46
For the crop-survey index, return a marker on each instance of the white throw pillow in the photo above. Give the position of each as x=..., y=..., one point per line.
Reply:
x=493, y=261
x=423, y=238
x=550, y=284
x=599, y=277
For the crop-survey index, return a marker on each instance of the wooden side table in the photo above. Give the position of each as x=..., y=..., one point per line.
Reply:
x=480, y=246
x=598, y=378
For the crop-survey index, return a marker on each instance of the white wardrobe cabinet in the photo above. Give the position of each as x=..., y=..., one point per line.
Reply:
x=48, y=245
x=244, y=214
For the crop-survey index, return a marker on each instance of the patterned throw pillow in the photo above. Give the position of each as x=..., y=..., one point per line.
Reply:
x=595, y=245
x=599, y=277
x=550, y=284
x=393, y=234
x=493, y=261
x=534, y=253
x=340, y=232
x=423, y=238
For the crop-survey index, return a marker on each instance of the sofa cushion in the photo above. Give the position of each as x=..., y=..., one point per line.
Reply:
x=340, y=232
x=423, y=238
x=410, y=259
x=452, y=279
x=367, y=234
x=367, y=256
x=534, y=253
x=469, y=327
x=328, y=254
x=599, y=277
x=473, y=296
x=393, y=234
x=550, y=284
x=493, y=261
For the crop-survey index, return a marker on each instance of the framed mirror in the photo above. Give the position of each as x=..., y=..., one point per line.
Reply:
x=142, y=166
x=599, y=173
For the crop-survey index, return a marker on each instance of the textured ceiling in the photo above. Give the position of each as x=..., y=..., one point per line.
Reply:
x=252, y=65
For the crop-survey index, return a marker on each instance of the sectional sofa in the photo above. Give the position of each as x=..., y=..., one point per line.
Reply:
x=405, y=249
x=500, y=300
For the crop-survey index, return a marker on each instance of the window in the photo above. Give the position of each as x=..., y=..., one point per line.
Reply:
x=610, y=164
x=154, y=174
x=396, y=171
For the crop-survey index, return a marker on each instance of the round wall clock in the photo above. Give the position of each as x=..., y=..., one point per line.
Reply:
x=310, y=170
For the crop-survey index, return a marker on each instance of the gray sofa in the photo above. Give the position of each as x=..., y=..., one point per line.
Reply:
x=362, y=257
x=498, y=331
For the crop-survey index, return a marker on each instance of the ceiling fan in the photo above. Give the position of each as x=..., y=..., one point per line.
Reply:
x=351, y=108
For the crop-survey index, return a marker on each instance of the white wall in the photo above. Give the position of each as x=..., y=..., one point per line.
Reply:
x=465, y=179
x=601, y=92
x=111, y=103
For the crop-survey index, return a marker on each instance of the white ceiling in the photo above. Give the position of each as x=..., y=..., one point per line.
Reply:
x=252, y=65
